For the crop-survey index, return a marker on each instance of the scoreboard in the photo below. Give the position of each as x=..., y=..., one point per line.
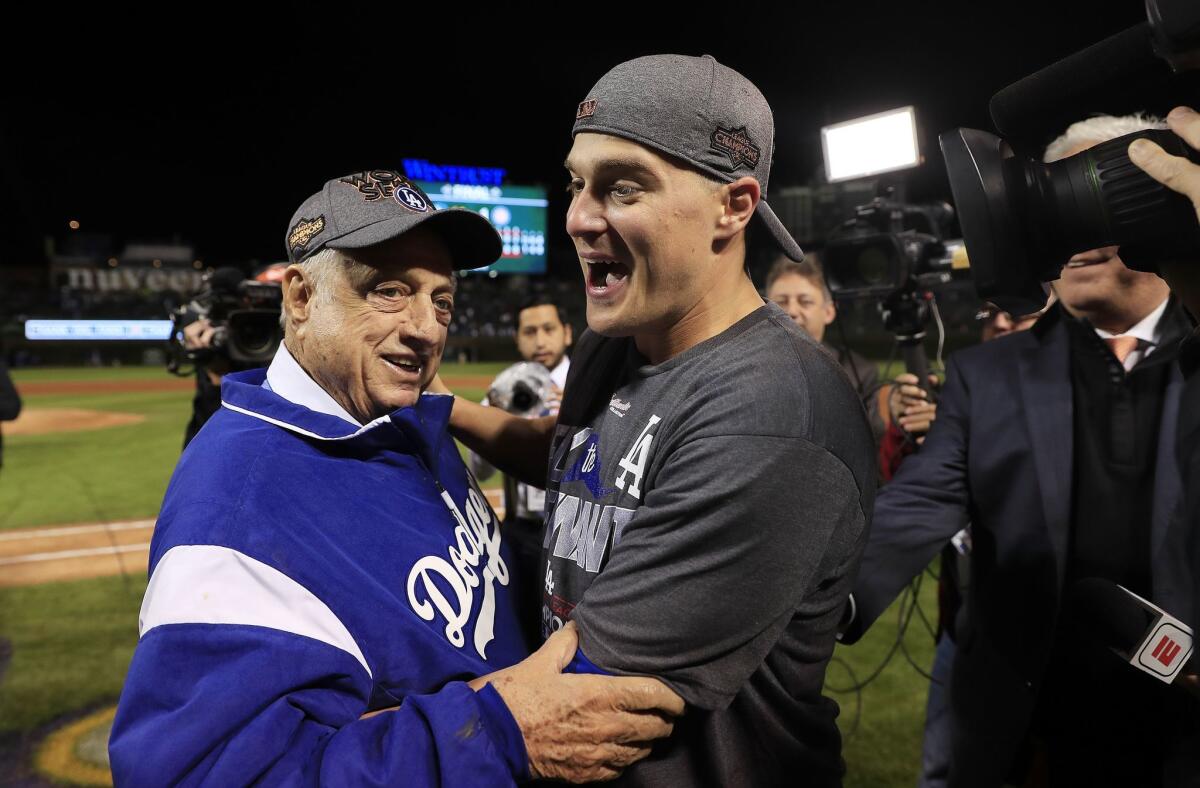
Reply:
x=517, y=212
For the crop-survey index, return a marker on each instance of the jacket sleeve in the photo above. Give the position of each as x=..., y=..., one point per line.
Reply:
x=232, y=690
x=919, y=511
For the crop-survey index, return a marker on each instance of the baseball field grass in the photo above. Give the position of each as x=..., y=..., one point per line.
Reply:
x=69, y=643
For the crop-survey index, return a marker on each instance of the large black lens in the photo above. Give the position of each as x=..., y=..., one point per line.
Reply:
x=1022, y=219
x=254, y=335
x=1100, y=198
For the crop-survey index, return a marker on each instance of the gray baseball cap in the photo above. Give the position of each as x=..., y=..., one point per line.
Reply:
x=697, y=110
x=368, y=208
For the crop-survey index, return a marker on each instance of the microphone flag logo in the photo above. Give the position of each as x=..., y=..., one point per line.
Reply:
x=1164, y=653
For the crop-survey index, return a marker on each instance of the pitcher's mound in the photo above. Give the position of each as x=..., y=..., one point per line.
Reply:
x=36, y=421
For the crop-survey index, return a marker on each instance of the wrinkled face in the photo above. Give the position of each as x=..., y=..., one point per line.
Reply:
x=1091, y=282
x=804, y=301
x=541, y=335
x=641, y=224
x=375, y=341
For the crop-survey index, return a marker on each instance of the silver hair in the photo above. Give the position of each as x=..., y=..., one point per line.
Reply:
x=319, y=273
x=1097, y=129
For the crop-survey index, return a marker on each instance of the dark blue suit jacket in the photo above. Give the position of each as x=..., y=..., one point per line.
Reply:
x=999, y=457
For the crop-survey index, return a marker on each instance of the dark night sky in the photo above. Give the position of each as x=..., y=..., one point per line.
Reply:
x=214, y=133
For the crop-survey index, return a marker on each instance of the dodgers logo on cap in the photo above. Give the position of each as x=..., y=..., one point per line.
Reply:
x=411, y=199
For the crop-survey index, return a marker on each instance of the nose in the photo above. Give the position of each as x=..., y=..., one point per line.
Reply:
x=585, y=216
x=422, y=326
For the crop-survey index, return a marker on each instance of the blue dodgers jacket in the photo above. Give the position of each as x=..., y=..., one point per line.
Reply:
x=304, y=571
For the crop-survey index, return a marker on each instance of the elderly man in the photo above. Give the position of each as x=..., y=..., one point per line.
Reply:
x=322, y=552
x=711, y=473
x=1055, y=444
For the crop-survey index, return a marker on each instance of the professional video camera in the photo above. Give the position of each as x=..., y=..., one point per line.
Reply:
x=1023, y=219
x=895, y=254
x=244, y=314
x=524, y=389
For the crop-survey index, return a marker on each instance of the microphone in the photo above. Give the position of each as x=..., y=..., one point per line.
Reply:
x=1052, y=98
x=1138, y=631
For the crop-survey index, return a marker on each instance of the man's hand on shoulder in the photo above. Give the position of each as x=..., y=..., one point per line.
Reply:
x=582, y=728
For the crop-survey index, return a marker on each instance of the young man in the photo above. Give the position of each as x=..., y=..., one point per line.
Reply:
x=799, y=289
x=543, y=336
x=711, y=471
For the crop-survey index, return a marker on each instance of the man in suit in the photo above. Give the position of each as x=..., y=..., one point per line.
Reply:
x=1056, y=445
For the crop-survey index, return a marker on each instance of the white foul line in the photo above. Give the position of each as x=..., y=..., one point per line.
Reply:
x=61, y=554
x=25, y=533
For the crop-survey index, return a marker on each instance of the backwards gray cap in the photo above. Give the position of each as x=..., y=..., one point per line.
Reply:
x=371, y=207
x=694, y=109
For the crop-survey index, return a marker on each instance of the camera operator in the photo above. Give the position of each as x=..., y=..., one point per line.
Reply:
x=1184, y=278
x=1048, y=443
x=204, y=334
x=800, y=290
x=543, y=336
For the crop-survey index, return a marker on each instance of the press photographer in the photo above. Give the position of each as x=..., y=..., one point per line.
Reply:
x=231, y=325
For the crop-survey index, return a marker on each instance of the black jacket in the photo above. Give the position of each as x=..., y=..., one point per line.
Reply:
x=999, y=457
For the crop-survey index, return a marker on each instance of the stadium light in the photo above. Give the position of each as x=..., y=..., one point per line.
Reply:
x=871, y=145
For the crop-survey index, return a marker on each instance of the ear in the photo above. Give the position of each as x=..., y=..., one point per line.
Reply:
x=830, y=311
x=738, y=201
x=297, y=295
x=569, y=334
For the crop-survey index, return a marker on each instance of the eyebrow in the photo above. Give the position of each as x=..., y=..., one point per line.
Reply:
x=625, y=165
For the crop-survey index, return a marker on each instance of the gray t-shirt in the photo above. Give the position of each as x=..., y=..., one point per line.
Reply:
x=705, y=518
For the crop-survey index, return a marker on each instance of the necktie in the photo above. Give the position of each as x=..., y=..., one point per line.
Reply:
x=1121, y=346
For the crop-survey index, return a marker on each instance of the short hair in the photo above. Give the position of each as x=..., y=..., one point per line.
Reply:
x=319, y=270
x=810, y=269
x=1097, y=129
x=539, y=300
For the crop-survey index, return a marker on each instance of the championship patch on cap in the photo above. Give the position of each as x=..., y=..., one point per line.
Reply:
x=304, y=231
x=737, y=145
x=586, y=109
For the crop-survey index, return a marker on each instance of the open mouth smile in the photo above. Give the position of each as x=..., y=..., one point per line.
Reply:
x=606, y=278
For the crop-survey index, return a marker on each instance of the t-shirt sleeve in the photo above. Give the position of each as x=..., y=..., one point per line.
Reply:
x=707, y=574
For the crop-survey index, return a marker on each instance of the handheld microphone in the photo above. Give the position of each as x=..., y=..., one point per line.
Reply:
x=1138, y=631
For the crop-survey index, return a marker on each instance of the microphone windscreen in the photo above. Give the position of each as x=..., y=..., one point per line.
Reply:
x=1107, y=611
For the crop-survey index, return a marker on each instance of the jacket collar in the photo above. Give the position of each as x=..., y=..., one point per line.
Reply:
x=420, y=428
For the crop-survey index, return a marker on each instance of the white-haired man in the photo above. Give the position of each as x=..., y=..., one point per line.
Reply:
x=322, y=553
x=1056, y=445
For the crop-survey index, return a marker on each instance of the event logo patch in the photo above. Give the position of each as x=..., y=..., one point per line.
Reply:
x=378, y=184
x=737, y=145
x=304, y=231
x=586, y=109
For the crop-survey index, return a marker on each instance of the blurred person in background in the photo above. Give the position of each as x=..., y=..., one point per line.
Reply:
x=543, y=336
x=10, y=400
x=198, y=334
x=800, y=290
